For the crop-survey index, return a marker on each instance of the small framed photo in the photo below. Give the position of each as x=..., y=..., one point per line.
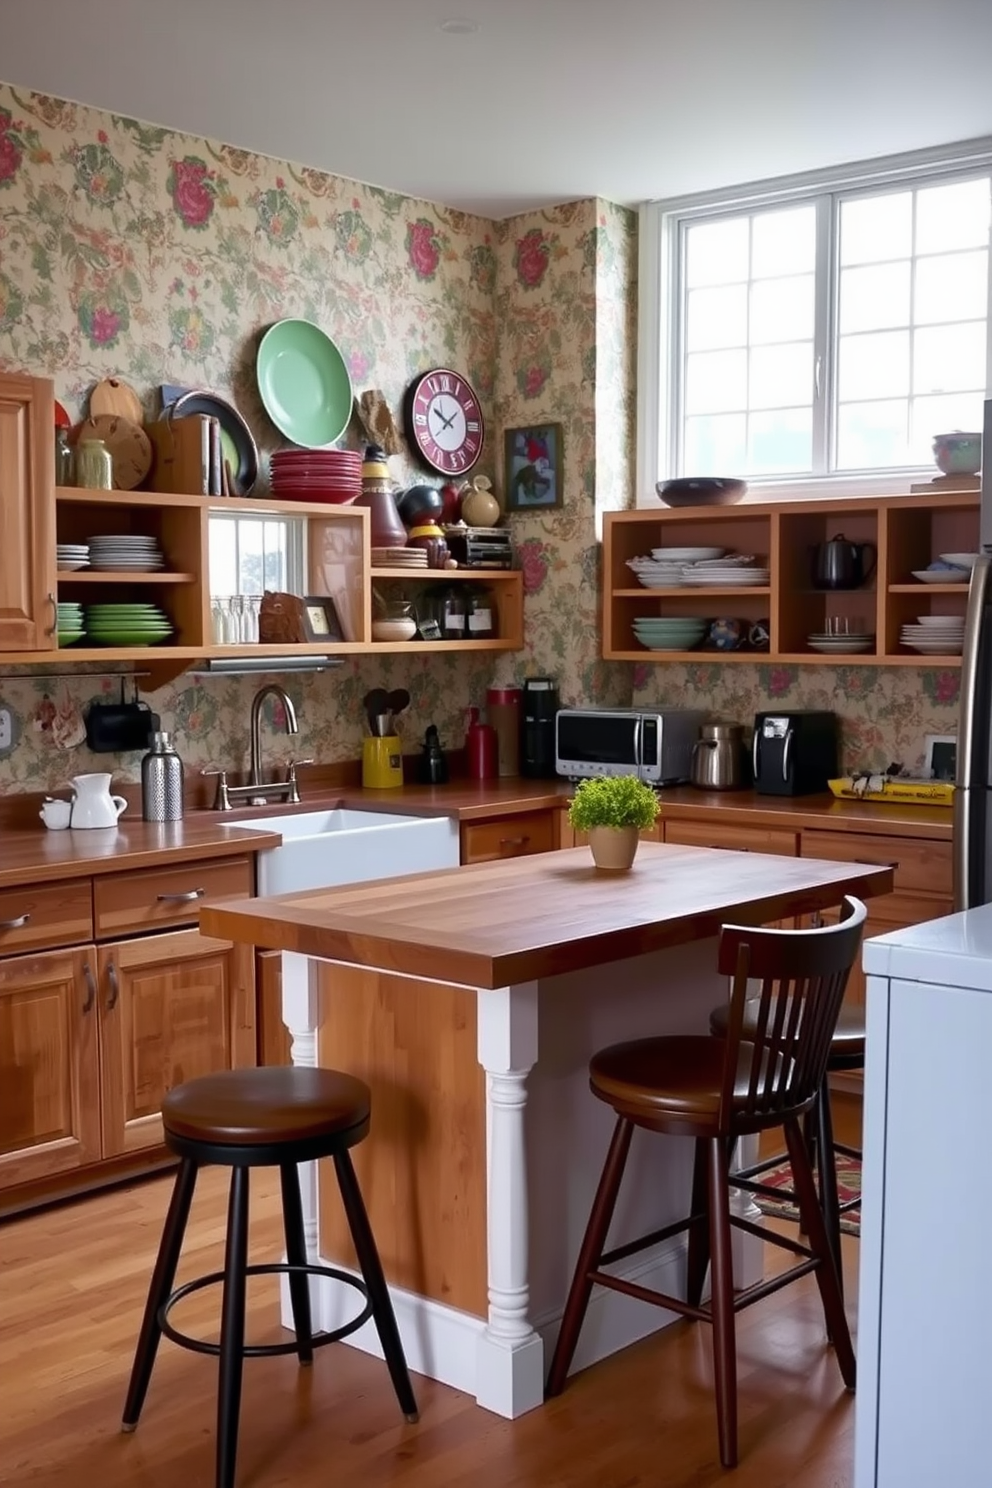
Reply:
x=940, y=760
x=321, y=618
x=532, y=468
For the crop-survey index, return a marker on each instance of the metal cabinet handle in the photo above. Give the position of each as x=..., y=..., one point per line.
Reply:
x=15, y=924
x=90, y=981
x=115, y=986
x=186, y=898
x=513, y=841
x=51, y=629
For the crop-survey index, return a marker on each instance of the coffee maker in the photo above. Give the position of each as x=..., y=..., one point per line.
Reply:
x=537, y=744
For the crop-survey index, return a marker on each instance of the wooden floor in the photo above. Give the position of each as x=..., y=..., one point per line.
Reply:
x=72, y=1283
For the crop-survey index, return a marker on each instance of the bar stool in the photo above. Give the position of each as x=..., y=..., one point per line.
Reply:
x=272, y=1117
x=847, y=1052
x=717, y=1091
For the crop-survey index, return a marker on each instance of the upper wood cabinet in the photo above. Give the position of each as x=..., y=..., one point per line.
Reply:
x=27, y=513
x=906, y=532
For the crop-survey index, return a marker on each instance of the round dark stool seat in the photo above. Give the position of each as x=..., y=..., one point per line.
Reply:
x=847, y=1045
x=281, y=1117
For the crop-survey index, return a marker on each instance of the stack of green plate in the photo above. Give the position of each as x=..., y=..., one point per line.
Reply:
x=70, y=622
x=136, y=624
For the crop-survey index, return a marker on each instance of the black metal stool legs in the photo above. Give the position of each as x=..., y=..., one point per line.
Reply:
x=158, y=1292
x=371, y=1268
x=296, y=1255
x=232, y=1329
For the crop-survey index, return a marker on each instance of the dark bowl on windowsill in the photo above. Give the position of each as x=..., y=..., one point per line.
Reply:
x=701, y=490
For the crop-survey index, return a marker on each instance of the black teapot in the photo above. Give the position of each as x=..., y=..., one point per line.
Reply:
x=839, y=564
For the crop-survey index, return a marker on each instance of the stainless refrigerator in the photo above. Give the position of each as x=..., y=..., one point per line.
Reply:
x=973, y=787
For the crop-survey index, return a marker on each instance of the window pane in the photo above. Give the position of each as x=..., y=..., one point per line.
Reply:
x=716, y=252
x=954, y=287
x=274, y=566
x=715, y=446
x=949, y=358
x=223, y=556
x=870, y=435
x=874, y=228
x=716, y=318
x=781, y=375
x=874, y=366
x=716, y=381
x=780, y=442
x=783, y=242
x=871, y=298
x=781, y=309
x=955, y=216
x=930, y=416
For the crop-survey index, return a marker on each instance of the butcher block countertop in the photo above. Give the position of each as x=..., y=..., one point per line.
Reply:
x=495, y=924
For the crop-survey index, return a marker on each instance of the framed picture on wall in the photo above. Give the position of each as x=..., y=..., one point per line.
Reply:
x=532, y=468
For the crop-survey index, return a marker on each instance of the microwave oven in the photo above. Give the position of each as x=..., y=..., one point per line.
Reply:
x=654, y=746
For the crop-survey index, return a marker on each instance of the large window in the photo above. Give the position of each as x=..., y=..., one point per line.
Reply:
x=251, y=554
x=817, y=330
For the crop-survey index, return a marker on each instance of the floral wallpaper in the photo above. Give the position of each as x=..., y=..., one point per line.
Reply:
x=132, y=250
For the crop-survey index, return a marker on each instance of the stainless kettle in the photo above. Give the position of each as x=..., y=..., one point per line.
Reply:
x=717, y=757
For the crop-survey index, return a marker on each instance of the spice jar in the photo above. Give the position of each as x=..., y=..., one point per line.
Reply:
x=480, y=614
x=453, y=614
x=94, y=468
x=64, y=460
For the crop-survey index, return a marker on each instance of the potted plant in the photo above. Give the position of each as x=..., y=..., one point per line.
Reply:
x=613, y=810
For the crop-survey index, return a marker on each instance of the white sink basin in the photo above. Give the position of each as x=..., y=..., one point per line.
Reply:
x=321, y=849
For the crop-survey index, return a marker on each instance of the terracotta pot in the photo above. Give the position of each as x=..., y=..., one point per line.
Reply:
x=613, y=848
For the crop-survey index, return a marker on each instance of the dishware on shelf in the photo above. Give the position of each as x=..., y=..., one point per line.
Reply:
x=686, y=555
x=55, y=813
x=93, y=805
x=944, y=574
x=70, y=557
x=960, y=560
x=958, y=453
x=332, y=476
x=395, y=620
x=709, y=490
x=136, y=624
x=126, y=553
x=237, y=442
x=840, y=645
x=304, y=383
x=842, y=564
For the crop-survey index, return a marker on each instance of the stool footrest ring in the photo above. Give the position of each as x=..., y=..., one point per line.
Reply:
x=264, y=1350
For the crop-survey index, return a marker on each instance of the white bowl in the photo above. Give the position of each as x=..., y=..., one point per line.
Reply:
x=941, y=575
x=960, y=560
x=393, y=630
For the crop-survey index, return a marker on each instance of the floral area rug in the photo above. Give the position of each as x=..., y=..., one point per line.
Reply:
x=848, y=1191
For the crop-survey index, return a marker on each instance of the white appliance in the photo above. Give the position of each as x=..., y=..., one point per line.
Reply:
x=973, y=787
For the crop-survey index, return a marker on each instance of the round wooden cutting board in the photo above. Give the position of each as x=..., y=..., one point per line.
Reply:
x=114, y=396
x=129, y=446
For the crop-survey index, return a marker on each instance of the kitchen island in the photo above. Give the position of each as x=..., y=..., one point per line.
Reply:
x=471, y=1001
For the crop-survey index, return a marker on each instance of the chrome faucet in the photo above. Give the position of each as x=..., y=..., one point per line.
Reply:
x=271, y=689
x=257, y=792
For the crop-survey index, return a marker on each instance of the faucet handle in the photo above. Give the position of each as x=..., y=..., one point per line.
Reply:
x=292, y=782
x=222, y=801
x=294, y=765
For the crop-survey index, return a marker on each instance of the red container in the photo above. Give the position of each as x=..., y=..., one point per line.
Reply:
x=482, y=747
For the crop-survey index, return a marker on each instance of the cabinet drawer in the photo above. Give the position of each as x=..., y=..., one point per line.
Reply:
x=508, y=837
x=166, y=896
x=738, y=839
x=53, y=915
x=918, y=864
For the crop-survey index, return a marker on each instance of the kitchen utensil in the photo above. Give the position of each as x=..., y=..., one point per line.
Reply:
x=93, y=805
x=237, y=442
x=717, y=761
x=117, y=398
x=710, y=490
x=161, y=781
x=129, y=447
x=841, y=564
x=958, y=453
x=399, y=699
x=382, y=763
x=55, y=813
x=94, y=467
x=960, y=560
x=375, y=702
x=504, y=711
x=945, y=575
x=382, y=725
x=304, y=383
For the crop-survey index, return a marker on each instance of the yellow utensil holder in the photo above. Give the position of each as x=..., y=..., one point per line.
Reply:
x=382, y=763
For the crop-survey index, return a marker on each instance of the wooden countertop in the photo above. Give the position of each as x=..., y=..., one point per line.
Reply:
x=40, y=856
x=746, y=808
x=493, y=924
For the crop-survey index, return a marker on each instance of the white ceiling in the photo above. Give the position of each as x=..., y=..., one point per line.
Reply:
x=548, y=101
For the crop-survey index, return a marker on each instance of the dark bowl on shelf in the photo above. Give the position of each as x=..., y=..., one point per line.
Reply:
x=701, y=490
x=419, y=505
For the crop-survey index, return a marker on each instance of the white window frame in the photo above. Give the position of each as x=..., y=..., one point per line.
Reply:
x=296, y=548
x=659, y=306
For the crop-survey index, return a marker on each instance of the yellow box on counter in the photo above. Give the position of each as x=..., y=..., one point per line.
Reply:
x=882, y=788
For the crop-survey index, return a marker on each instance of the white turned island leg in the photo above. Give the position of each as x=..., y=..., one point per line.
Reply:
x=510, y=1353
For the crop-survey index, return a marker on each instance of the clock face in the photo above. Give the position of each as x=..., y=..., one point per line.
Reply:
x=444, y=421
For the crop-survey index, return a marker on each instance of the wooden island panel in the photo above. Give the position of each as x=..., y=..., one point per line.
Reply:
x=423, y=1174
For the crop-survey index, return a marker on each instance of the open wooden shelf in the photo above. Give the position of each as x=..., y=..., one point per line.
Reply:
x=908, y=532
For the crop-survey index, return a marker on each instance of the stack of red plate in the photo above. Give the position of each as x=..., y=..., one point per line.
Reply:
x=317, y=475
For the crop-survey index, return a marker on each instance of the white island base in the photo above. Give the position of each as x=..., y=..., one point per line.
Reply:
x=546, y=1138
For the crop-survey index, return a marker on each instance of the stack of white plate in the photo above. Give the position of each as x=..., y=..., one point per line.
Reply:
x=686, y=555
x=658, y=573
x=935, y=635
x=126, y=553
x=71, y=556
x=739, y=570
x=840, y=645
x=676, y=633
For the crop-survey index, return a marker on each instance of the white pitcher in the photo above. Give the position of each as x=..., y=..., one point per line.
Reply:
x=93, y=805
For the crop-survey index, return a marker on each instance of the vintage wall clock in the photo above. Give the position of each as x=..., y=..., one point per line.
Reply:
x=443, y=421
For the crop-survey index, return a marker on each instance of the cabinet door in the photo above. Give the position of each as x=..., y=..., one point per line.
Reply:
x=27, y=514
x=171, y=1007
x=49, y=1070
